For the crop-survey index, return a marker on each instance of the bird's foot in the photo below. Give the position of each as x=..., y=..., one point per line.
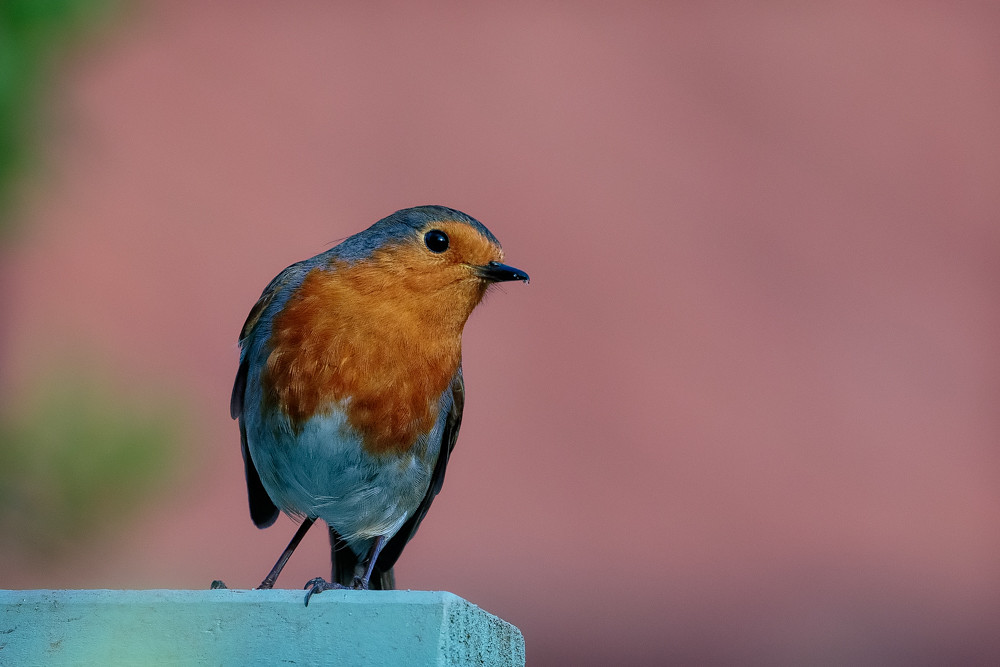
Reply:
x=318, y=585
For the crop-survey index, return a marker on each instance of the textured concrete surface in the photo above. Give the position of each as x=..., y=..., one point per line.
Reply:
x=242, y=627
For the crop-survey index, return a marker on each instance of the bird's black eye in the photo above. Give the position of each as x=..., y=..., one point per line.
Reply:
x=436, y=240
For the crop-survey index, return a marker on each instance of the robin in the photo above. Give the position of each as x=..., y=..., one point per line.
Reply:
x=349, y=392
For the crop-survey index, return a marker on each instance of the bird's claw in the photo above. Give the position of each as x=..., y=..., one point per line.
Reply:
x=318, y=585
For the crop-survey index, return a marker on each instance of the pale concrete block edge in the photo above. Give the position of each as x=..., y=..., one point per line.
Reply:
x=251, y=627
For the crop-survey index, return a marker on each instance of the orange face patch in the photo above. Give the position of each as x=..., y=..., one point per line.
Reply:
x=384, y=333
x=466, y=244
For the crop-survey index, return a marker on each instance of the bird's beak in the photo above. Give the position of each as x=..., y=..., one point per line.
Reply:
x=495, y=272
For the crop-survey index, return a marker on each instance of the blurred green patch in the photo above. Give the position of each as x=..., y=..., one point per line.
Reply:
x=34, y=35
x=78, y=454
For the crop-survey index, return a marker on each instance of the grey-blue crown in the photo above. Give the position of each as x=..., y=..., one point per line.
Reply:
x=400, y=225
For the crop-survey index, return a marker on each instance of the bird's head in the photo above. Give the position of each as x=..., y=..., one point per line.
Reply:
x=430, y=259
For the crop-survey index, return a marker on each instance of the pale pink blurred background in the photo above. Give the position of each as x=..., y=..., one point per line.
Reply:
x=746, y=410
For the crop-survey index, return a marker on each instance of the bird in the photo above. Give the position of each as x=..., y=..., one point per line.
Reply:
x=349, y=393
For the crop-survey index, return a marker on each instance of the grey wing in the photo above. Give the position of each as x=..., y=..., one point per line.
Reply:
x=449, y=436
x=263, y=511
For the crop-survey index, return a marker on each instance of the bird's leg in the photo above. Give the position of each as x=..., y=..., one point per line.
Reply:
x=272, y=576
x=319, y=584
x=362, y=582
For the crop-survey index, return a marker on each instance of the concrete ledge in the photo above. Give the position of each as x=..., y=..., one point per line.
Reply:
x=240, y=627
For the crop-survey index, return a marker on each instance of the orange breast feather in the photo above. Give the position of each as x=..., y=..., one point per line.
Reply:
x=370, y=334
